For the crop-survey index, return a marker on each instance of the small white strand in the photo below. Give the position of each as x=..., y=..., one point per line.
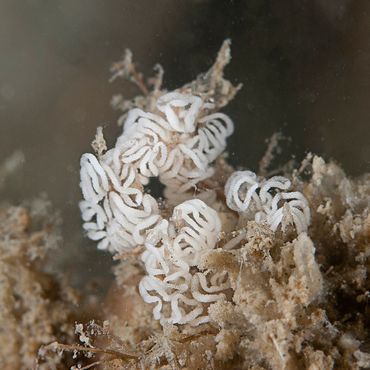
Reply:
x=268, y=199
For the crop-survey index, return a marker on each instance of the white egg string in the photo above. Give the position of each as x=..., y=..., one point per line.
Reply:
x=178, y=146
x=171, y=279
x=268, y=200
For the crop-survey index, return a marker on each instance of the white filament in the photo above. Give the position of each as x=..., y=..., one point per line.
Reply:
x=268, y=199
x=173, y=250
x=178, y=146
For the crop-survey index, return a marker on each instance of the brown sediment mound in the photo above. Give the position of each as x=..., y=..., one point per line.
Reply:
x=297, y=302
x=35, y=308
